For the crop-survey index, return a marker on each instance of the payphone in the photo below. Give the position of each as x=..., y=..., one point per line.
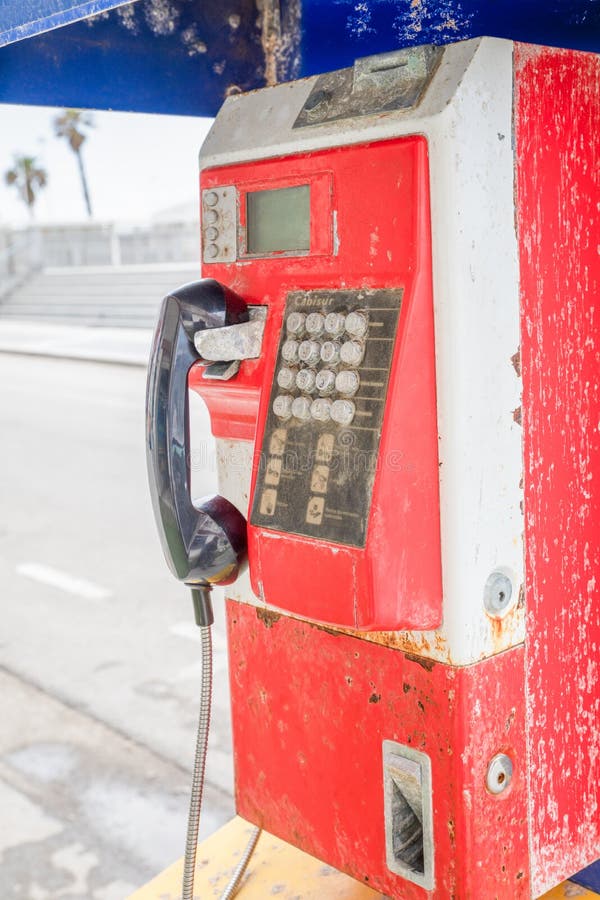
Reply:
x=372, y=235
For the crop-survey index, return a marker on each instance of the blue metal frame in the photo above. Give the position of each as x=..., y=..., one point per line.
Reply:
x=187, y=60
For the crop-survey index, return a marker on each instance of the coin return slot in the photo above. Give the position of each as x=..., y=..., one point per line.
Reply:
x=408, y=813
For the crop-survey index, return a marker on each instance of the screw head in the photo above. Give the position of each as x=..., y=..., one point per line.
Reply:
x=499, y=773
x=497, y=594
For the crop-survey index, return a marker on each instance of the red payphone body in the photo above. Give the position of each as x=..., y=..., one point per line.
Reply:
x=347, y=486
x=414, y=696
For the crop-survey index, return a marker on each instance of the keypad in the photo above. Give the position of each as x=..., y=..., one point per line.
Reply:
x=319, y=449
x=327, y=367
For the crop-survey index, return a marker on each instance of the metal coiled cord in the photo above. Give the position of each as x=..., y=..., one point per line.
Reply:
x=232, y=888
x=204, y=619
x=191, y=841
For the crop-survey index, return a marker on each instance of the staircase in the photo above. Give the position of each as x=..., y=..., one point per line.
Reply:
x=110, y=296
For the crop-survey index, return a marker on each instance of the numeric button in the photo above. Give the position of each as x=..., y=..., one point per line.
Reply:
x=325, y=381
x=321, y=409
x=352, y=353
x=335, y=324
x=289, y=351
x=295, y=323
x=347, y=381
x=330, y=353
x=301, y=408
x=286, y=378
x=342, y=411
x=315, y=323
x=305, y=380
x=309, y=352
x=282, y=406
x=356, y=324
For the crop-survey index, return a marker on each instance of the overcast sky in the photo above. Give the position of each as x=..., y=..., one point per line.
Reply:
x=137, y=165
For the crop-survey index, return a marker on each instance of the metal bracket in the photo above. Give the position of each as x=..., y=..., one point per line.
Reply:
x=382, y=83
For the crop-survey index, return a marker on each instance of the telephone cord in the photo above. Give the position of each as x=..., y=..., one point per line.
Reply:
x=203, y=610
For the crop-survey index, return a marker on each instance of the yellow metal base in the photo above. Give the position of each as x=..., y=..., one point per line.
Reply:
x=276, y=869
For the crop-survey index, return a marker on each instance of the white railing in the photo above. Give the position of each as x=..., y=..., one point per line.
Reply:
x=98, y=244
x=20, y=256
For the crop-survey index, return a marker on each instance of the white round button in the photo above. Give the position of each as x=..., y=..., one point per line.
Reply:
x=301, y=408
x=295, y=322
x=289, y=351
x=334, y=323
x=212, y=251
x=309, y=352
x=211, y=198
x=347, y=381
x=305, y=380
x=321, y=409
x=212, y=233
x=286, y=378
x=330, y=352
x=342, y=411
x=356, y=324
x=315, y=323
x=352, y=353
x=325, y=381
x=282, y=406
x=210, y=216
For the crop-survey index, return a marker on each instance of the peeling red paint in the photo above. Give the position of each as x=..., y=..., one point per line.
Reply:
x=557, y=105
x=327, y=798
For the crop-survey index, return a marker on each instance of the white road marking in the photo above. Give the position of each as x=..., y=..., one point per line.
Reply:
x=63, y=581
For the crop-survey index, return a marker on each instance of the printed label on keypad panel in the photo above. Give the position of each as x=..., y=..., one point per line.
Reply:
x=320, y=448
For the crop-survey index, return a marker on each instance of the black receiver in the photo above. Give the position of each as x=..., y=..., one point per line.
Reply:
x=203, y=542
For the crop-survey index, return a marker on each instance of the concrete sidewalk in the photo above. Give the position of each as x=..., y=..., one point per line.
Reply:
x=126, y=346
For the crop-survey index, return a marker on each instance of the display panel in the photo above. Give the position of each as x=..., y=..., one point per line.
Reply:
x=278, y=220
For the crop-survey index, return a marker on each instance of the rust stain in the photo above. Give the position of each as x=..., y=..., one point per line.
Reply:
x=267, y=617
x=280, y=39
x=510, y=719
x=516, y=361
x=517, y=415
x=374, y=698
x=421, y=661
x=335, y=632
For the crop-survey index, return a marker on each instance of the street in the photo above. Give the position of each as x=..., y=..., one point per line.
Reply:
x=99, y=653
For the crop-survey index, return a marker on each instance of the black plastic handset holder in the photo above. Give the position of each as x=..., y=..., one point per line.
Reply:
x=203, y=542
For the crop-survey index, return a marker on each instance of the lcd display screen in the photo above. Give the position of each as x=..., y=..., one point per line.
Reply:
x=278, y=221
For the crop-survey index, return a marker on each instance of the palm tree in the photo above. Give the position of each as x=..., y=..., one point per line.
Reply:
x=28, y=178
x=71, y=124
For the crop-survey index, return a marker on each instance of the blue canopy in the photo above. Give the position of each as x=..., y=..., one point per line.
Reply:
x=185, y=56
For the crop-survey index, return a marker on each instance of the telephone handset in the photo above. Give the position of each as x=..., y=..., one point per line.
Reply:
x=203, y=542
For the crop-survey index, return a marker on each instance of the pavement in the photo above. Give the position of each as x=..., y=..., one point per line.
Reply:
x=99, y=657
x=126, y=346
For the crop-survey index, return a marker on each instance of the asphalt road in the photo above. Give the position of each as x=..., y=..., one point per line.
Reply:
x=99, y=655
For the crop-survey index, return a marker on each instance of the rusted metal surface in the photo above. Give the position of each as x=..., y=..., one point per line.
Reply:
x=308, y=751
x=557, y=106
